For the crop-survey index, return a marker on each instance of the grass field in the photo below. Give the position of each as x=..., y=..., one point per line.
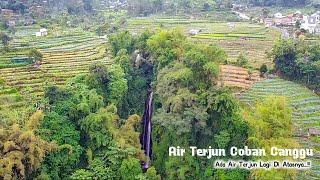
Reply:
x=306, y=112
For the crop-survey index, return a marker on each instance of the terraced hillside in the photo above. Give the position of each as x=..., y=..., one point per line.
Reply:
x=253, y=40
x=12, y=104
x=64, y=56
x=306, y=112
x=8, y=96
x=233, y=76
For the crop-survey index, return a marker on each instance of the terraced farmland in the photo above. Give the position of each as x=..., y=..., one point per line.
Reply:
x=233, y=76
x=9, y=96
x=63, y=57
x=12, y=104
x=306, y=112
x=253, y=40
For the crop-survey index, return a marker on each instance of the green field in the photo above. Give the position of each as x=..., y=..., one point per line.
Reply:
x=305, y=106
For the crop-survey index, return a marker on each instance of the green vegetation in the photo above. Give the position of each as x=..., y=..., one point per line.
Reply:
x=263, y=68
x=235, y=38
x=72, y=101
x=35, y=55
x=242, y=60
x=270, y=124
x=4, y=39
x=298, y=60
x=63, y=56
x=21, y=151
x=304, y=104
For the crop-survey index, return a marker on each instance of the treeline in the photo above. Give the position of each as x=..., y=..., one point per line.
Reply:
x=145, y=7
x=72, y=6
x=16, y=6
x=284, y=3
x=298, y=60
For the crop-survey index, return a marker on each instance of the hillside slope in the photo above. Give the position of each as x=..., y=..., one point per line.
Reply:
x=306, y=112
x=233, y=76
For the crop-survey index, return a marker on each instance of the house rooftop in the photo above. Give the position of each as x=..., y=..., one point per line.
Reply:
x=314, y=131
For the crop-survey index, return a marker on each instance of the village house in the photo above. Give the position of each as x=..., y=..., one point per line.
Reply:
x=278, y=15
x=316, y=16
x=11, y=23
x=317, y=29
x=239, y=7
x=280, y=20
x=268, y=22
x=309, y=23
x=28, y=21
x=313, y=132
x=193, y=32
x=7, y=12
x=42, y=32
x=284, y=21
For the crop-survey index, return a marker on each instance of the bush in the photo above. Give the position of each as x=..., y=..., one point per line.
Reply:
x=35, y=54
x=242, y=60
x=4, y=39
x=272, y=71
x=263, y=68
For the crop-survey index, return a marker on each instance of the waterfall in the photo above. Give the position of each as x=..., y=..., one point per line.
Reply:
x=145, y=138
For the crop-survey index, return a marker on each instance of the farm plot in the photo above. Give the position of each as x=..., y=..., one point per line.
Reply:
x=10, y=97
x=306, y=112
x=63, y=57
x=233, y=76
x=12, y=104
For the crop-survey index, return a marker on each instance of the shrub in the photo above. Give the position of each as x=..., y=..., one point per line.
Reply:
x=35, y=54
x=263, y=68
x=4, y=39
x=242, y=60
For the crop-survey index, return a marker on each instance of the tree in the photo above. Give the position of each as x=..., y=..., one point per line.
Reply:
x=21, y=150
x=96, y=170
x=87, y=5
x=103, y=29
x=130, y=169
x=82, y=174
x=297, y=60
x=151, y=174
x=59, y=164
x=128, y=136
x=242, y=60
x=190, y=109
x=109, y=81
x=4, y=39
x=122, y=40
x=297, y=24
x=99, y=128
x=271, y=126
x=222, y=139
x=263, y=68
x=265, y=12
x=35, y=54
